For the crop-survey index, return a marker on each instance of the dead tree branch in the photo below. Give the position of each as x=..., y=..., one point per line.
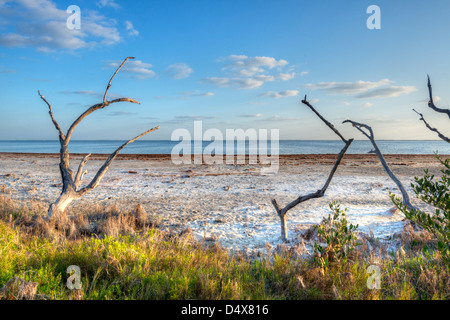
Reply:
x=431, y=103
x=433, y=106
x=55, y=123
x=71, y=184
x=101, y=172
x=80, y=172
x=431, y=128
x=368, y=132
x=319, y=193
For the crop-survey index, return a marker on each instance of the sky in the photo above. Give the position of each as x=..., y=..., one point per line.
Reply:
x=231, y=64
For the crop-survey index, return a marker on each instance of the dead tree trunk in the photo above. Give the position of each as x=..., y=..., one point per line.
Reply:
x=433, y=106
x=369, y=134
x=71, y=184
x=319, y=193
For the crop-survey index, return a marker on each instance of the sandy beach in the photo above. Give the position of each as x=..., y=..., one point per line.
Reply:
x=229, y=203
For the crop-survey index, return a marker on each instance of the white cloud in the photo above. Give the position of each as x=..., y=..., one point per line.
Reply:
x=243, y=83
x=256, y=103
x=286, y=76
x=108, y=3
x=246, y=115
x=367, y=104
x=130, y=28
x=249, y=72
x=281, y=94
x=363, y=89
x=220, y=82
x=121, y=113
x=137, y=68
x=347, y=87
x=179, y=70
x=393, y=91
x=193, y=118
x=252, y=65
x=83, y=92
x=276, y=118
x=197, y=93
x=91, y=93
x=249, y=83
x=303, y=73
x=41, y=25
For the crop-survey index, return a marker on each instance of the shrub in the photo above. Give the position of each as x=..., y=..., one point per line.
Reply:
x=434, y=192
x=339, y=236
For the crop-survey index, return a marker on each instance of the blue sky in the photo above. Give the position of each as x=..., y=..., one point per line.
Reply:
x=231, y=64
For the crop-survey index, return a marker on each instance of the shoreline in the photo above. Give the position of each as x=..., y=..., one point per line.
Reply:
x=143, y=156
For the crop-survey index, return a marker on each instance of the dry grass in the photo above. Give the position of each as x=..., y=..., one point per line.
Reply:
x=124, y=255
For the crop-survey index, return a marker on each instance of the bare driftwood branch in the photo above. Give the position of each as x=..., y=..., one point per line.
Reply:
x=101, y=172
x=319, y=193
x=304, y=101
x=431, y=103
x=431, y=128
x=80, y=172
x=55, y=123
x=71, y=184
x=433, y=106
x=102, y=105
x=112, y=77
x=368, y=132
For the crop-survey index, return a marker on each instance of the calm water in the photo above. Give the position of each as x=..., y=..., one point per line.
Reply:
x=285, y=146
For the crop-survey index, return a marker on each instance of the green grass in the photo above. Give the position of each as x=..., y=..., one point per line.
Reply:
x=147, y=264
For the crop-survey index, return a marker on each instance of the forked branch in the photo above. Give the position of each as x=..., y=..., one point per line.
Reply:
x=101, y=172
x=319, y=193
x=71, y=184
x=98, y=106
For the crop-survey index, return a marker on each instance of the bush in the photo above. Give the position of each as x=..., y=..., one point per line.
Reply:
x=434, y=192
x=339, y=236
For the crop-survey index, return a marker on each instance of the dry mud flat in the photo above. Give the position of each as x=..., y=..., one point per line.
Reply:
x=229, y=203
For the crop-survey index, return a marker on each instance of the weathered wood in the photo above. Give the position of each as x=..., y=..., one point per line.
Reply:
x=282, y=212
x=71, y=184
x=431, y=103
x=80, y=172
x=371, y=137
x=101, y=172
x=433, y=106
x=440, y=135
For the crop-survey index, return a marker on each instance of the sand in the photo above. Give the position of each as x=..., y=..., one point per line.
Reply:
x=229, y=203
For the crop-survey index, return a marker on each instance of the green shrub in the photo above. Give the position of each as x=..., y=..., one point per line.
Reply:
x=434, y=192
x=339, y=236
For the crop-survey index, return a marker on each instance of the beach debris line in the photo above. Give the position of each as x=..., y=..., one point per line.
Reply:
x=71, y=184
x=319, y=193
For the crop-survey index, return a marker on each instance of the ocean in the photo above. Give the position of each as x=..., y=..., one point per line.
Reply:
x=285, y=146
